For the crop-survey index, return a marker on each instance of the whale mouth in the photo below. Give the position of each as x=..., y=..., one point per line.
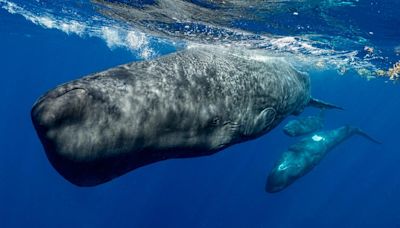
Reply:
x=57, y=108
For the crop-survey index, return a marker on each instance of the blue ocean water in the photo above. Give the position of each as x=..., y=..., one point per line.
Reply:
x=356, y=185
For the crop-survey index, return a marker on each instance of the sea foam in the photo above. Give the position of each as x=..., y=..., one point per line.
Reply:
x=113, y=35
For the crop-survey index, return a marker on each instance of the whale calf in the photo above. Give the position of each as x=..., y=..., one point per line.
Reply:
x=187, y=104
x=303, y=156
x=304, y=125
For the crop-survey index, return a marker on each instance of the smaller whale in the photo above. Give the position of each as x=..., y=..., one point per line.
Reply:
x=303, y=156
x=304, y=125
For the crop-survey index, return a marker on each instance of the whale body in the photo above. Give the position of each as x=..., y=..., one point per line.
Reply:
x=187, y=104
x=303, y=156
x=304, y=125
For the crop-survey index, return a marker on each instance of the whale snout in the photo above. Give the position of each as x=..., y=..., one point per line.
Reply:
x=275, y=183
x=57, y=108
x=57, y=117
x=289, y=131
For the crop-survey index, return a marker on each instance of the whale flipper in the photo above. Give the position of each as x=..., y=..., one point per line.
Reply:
x=322, y=104
x=365, y=135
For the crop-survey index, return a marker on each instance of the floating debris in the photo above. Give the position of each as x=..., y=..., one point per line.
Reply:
x=363, y=72
x=369, y=50
x=381, y=73
x=394, y=73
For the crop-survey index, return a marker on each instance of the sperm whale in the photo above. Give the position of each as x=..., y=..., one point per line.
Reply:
x=303, y=156
x=191, y=103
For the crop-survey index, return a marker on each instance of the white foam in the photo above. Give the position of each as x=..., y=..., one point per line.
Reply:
x=73, y=27
x=301, y=51
x=136, y=40
x=111, y=36
x=115, y=37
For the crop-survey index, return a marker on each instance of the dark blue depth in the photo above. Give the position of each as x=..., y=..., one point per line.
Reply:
x=357, y=185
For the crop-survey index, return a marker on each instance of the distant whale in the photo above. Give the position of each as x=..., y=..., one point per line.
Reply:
x=304, y=125
x=187, y=104
x=303, y=156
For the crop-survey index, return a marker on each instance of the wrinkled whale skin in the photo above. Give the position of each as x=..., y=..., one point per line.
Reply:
x=186, y=104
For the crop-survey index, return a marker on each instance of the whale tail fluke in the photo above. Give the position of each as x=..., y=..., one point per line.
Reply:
x=322, y=104
x=365, y=135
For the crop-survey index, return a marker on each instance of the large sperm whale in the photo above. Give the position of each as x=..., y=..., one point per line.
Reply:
x=303, y=156
x=191, y=103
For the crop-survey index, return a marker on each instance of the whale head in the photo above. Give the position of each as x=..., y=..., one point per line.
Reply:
x=287, y=170
x=291, y=128
x=76, y=124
